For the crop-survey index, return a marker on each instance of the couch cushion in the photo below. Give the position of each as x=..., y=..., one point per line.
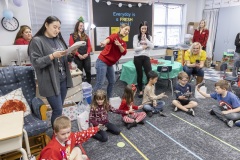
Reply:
x=34, y=126
x=15, y=77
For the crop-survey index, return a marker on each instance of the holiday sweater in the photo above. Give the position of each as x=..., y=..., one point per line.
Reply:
x=21, y=41
x=125, y=107
x=111, y=53
x=201, y=37
x=54, y=150
x=100, y=115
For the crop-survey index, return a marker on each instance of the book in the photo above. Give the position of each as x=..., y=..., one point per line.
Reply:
x=75, y=46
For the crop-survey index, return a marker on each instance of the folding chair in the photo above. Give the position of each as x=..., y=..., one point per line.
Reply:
x=232, y=80
x=118, y=71
x=166, y=70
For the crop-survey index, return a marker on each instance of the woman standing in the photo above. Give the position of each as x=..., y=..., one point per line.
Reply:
x=23, y=36
x=115, y=47
x=82, y=55
x=194, y=61
x=201, y=35
x=48, y=57
x=142, y=44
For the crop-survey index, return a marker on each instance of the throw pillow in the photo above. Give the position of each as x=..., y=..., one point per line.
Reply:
x=16, y=95
x=12, y=106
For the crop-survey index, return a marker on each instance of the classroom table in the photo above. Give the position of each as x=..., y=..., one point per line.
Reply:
x=129, y=74
x=11, y=134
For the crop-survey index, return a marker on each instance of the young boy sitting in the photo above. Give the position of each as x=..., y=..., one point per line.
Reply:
x=65, y=144
x=183, y=93
x=228, y=109
x=150, y=104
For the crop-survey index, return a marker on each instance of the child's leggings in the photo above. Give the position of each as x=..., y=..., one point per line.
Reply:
x=136, y=116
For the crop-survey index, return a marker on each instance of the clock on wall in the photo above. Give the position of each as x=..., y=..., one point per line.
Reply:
x=10, y=24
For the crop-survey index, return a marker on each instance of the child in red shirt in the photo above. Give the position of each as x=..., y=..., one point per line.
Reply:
x=65, y=144
x=131, y=118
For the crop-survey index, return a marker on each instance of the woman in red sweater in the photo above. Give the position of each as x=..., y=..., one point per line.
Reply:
x=201, y=35
x=115, y=47
x=82, y=55
x=23, y=36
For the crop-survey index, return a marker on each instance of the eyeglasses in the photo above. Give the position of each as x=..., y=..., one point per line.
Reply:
x=196, y=48
x=186, y=80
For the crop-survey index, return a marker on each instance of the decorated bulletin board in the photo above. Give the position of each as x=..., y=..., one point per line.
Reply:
x=108, y=18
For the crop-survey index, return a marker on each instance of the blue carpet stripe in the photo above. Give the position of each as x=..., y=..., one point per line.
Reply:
x=175, y=141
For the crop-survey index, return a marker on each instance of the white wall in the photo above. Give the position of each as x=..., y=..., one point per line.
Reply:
x=193, y=12
x=22, y=15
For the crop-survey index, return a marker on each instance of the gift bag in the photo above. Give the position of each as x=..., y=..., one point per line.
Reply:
x=83, y=121
x=198, y=95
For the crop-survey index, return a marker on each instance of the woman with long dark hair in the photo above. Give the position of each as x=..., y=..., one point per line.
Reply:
x=142, y=44
x=47, y=51
x=82, y=55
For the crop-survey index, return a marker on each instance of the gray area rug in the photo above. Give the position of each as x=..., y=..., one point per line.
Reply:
x=178, y=136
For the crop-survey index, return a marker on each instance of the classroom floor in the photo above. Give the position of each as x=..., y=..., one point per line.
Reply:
x=178, y=136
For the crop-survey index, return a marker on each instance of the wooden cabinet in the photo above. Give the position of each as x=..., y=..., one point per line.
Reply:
x=37, y=143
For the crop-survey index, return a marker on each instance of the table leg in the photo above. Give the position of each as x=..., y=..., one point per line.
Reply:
x=24, y=154
x=26, y=142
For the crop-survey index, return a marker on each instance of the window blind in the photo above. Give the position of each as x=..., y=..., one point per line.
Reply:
x=67, y=11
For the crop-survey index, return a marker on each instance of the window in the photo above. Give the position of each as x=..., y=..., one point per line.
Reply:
x=67, y=11
x=167, y=24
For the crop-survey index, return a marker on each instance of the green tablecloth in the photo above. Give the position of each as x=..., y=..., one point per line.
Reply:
x=129, y=74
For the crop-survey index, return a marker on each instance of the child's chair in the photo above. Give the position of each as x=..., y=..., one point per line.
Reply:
x=166, y=70
x=232, y=80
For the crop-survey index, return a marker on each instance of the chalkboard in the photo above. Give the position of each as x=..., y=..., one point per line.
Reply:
x=113, y=16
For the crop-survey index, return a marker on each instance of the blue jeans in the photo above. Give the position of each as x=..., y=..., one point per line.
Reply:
x=56, y=101
x=103, y=71
x=190, y=71
x=150, y=108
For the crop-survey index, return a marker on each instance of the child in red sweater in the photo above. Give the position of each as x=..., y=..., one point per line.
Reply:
x=99, y=115
x=64, y=143
x=131, y=118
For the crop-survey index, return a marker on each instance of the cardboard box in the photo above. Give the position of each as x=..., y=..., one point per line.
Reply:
x=191, y=27
x=217, y=65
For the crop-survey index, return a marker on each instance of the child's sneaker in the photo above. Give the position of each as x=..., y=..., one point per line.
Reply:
x=237, y=123
x=130, y=125
x=162, y=114
x=229, y=123
x=175, y=109
x=150, y=114
x=211, y=112
x=191, y=112
x=141, y=122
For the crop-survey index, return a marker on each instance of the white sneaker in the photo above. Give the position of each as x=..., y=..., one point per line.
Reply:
x=230, y=123
x=175, y=109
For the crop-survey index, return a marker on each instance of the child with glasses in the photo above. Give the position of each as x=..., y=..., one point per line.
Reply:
x=183, y=94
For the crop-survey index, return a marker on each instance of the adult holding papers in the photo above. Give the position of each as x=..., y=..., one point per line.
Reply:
x=47, y=51
x=82, y=54
x=114, y=48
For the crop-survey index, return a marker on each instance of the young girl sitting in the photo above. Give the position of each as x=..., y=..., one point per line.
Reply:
x=130, y=117
x=99, y=115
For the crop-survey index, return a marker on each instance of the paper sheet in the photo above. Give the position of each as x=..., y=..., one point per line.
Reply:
x=75, y=46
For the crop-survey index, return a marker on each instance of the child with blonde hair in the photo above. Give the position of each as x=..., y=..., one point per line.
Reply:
x=131, y=117
x=66, y=144
x=183, y=93
x=99, y=115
